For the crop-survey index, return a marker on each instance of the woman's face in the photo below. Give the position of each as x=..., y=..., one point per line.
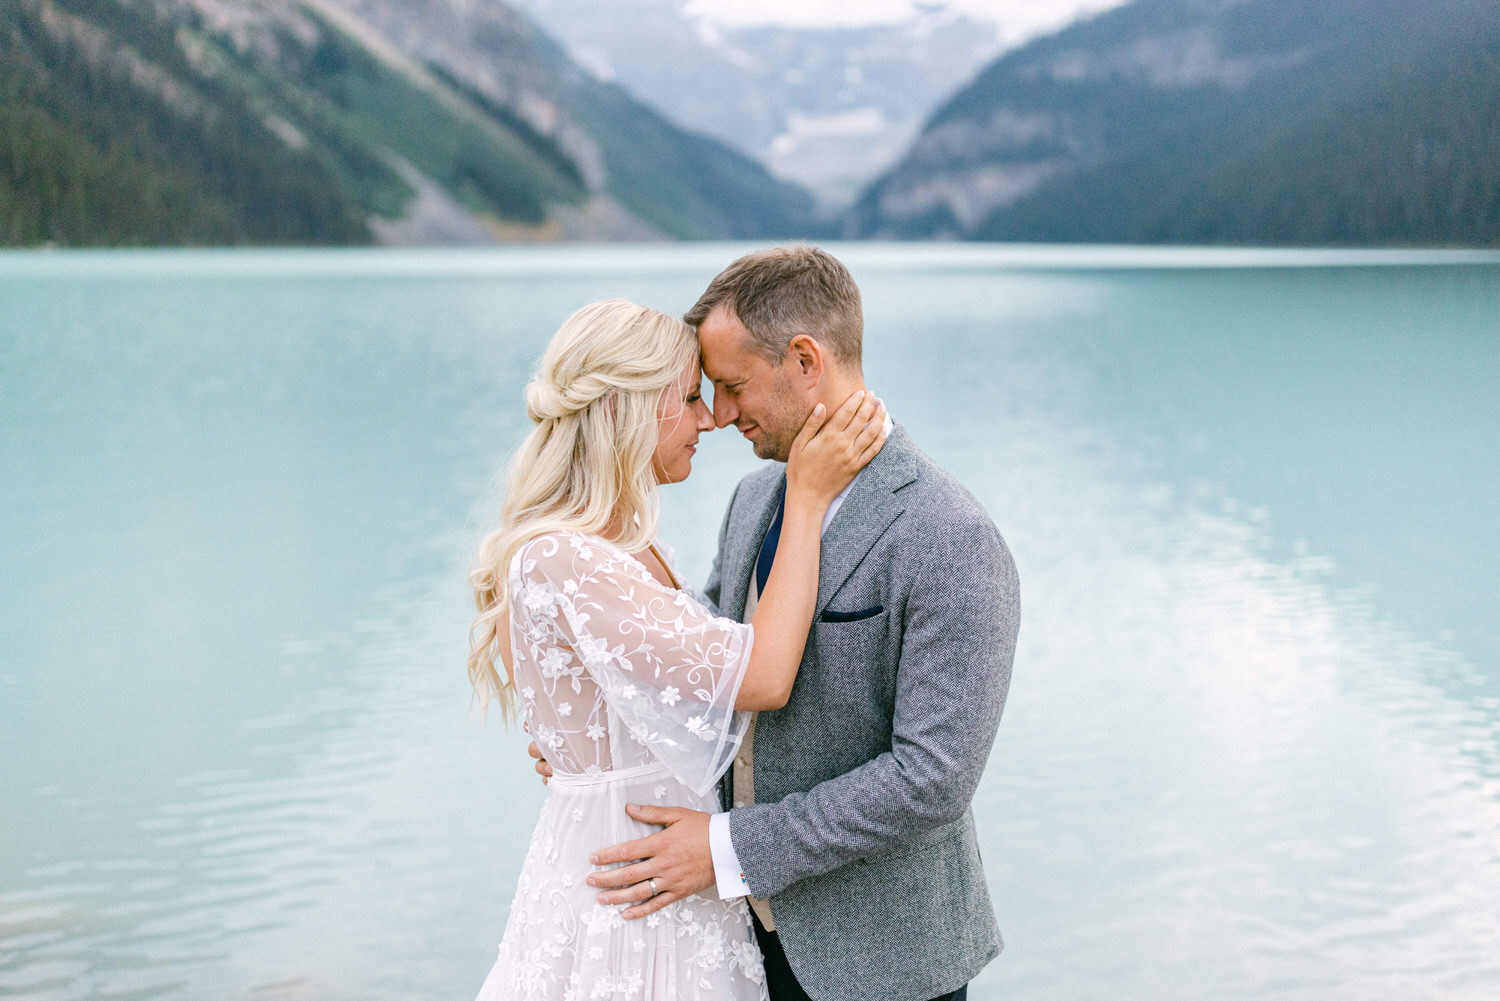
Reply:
x=681, y=417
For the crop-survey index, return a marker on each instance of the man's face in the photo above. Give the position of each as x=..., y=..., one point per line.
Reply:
x=759, y=398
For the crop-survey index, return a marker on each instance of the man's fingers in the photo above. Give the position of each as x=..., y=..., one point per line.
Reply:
x=625, y=851
x=641, y=848
x=628, y=895
x=659, y=815
x=543, y=767
x=652, y=905
x=625, y=875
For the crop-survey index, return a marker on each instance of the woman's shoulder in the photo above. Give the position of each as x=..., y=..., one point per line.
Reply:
x=564, y=552
x=558, y=543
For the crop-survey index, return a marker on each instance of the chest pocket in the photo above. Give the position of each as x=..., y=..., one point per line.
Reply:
x=857, y=661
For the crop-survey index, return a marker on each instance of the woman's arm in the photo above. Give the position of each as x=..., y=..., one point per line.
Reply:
x=825, y=458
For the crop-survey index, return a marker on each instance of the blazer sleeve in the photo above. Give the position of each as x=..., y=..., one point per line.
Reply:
x=959, y=628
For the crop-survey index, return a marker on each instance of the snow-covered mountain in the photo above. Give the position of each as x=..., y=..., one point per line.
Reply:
x=826, y=107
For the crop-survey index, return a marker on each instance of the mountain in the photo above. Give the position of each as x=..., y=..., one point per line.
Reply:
x=825, y=107
x=341, y=121
x=1219, y=121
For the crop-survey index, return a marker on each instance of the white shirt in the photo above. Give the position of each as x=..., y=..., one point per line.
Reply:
x=727, y=874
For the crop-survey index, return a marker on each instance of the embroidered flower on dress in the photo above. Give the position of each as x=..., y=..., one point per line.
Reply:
x=554, y=662
x=593, y=652
x=538, y=598
x=669, y=696
x=747, y=957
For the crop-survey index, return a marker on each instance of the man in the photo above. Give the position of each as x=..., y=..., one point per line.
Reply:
x=849, y=816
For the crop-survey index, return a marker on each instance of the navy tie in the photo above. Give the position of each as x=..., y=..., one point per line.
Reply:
x=768, y=547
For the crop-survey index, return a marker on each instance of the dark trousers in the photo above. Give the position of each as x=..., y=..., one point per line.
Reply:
x=782, y=984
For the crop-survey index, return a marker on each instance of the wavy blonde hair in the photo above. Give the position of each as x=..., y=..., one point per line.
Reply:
x=586, y=466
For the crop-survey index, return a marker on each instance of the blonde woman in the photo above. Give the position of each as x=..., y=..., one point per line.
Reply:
x=634, y=690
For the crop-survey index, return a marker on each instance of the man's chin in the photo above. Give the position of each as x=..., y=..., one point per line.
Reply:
x=766, y=449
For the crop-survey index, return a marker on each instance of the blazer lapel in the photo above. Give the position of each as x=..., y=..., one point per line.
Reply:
x=865, y=514
x=743, y=545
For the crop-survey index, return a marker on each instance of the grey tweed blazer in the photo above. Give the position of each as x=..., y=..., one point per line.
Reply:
x=862, y=836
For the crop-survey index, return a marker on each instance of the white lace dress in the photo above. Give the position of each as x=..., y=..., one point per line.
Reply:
x=629, y=689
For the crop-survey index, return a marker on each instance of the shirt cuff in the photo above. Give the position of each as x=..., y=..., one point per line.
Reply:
x=726, y=863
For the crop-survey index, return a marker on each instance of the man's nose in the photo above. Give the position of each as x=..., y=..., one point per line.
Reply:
x=725, y=411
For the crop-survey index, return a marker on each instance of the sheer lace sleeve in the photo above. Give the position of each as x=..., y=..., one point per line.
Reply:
x=668, y=667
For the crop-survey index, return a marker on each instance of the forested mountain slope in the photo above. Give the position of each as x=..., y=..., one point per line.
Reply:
x=336, y=121
x=1257, y=121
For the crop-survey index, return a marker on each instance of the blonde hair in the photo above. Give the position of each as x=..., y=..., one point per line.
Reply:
x=586, y=466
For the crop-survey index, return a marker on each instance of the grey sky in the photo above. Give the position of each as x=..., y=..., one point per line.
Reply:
x=1014, y=19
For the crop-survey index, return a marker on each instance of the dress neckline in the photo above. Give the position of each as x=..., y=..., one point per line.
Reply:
x=671, y=571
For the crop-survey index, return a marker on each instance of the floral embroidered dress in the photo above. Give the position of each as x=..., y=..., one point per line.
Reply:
x=629, y=689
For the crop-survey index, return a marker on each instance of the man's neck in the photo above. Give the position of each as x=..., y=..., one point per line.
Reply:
x=833, y=392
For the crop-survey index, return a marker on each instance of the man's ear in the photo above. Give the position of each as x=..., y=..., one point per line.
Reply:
x=807, y=354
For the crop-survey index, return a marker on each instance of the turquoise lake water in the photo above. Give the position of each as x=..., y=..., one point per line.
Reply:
x=1252, y=749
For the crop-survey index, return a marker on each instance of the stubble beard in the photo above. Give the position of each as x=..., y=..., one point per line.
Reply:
x=768, y=449
x=783, y=422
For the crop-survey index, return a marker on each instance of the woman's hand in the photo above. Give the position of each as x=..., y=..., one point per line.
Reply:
x=829, y=451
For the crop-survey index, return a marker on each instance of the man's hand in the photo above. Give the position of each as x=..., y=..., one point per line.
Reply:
x=676, y=858
x=542, y=767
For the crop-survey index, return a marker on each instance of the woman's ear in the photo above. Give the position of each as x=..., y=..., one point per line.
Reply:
x=807, y=354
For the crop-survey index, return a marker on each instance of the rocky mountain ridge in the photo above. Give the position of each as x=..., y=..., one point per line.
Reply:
x=345, y=121
x=1239, y=121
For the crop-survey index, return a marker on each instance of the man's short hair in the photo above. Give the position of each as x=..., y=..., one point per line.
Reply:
x=786, y=291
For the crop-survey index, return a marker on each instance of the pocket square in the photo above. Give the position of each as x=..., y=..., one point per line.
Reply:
x=833, y=615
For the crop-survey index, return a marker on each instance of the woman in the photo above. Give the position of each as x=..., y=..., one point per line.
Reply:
x=635, y=691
